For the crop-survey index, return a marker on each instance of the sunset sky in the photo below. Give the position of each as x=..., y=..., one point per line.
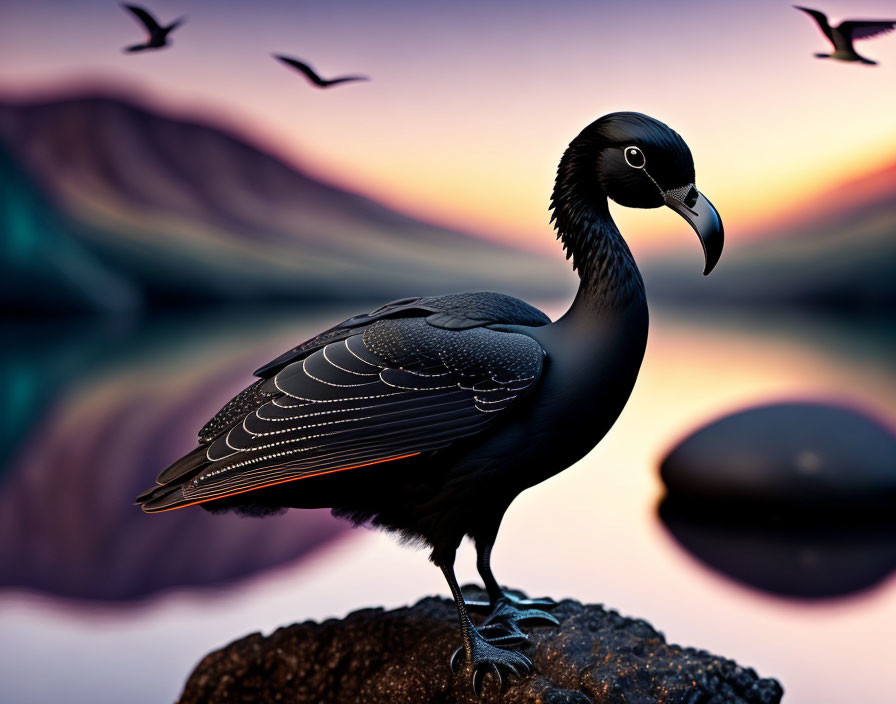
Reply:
x=471, y=103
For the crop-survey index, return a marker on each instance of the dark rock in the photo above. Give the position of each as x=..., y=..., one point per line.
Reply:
x=401, y=657
x=795, y=499
x=794, y=455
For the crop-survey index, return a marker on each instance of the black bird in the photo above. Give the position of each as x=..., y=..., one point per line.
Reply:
x=313, y=77
x=158, y=35
x=843, y=35
x=428, y=416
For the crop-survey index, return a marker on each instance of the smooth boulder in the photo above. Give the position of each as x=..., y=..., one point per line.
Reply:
x=799, y=455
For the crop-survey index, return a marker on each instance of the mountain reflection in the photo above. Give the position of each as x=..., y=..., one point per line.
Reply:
x=94, y=409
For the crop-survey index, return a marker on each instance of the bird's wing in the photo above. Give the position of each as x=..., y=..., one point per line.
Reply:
x=304, y=68
x=404, y=306
x=345, y=79
x=865, y=29
x=144, y=17
x=452, y=312
x=400, y=388
x=174, y=25
x=820, y=19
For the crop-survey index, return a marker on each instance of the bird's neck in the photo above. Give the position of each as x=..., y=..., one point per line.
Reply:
x=609, y=279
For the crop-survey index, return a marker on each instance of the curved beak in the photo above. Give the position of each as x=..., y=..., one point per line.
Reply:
x=705, y=220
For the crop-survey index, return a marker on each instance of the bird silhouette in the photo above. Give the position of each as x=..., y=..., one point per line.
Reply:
x=843, y=35
x=429, y=415
x=157, y=36
x=310, y=74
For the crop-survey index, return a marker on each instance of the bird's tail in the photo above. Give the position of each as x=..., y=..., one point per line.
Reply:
x=135, y=47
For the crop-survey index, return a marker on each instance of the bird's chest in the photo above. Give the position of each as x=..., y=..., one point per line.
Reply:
x=589, y=376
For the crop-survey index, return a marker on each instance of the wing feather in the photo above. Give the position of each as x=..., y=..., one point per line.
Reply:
x=399, y=388
x=454, y=311
x=820, y=19
x=866, y=29
x=145, y=18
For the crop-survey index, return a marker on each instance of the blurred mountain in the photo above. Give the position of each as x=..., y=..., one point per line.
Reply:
x=837, y=255
x=45, y=265
x=107, y=204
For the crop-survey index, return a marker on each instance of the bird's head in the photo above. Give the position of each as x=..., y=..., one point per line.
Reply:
x=639, y=162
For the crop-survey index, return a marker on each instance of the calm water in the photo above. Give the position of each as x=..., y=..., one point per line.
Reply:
x=101, y=602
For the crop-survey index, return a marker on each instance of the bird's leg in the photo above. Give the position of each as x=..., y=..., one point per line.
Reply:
x=482, y=655
x=495, y=593
x=484, y=566
x=505, y=610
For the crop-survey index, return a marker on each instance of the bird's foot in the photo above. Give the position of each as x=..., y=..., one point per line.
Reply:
x=485, y=657
x=501, y=626
x=486, y=607
x=510, y=610
x=504, y=634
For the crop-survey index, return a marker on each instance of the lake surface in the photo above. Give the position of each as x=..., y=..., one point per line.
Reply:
x=101, y=603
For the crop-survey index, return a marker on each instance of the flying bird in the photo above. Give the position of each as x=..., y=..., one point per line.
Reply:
x=157, y=36
x=843, y=35
x=313, y=77
x=429, y=415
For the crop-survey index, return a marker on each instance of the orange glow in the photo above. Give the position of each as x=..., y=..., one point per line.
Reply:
x=284, y=481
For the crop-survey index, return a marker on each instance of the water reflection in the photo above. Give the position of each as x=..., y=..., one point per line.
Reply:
x=109, y=403
x=803, y=556
x=97, y=408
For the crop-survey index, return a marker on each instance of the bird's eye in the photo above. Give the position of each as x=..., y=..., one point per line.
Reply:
x=634, y=157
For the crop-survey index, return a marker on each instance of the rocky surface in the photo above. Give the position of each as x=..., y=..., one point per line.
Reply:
x=401, y=657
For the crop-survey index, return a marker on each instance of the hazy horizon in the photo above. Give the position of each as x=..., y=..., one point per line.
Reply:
x=470, y=107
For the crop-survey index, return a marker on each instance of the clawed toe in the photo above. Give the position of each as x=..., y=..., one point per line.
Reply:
x=478, y=607
x=479, y=673
x=453, y=661
x=544, y=603
x=485, y=607
x=535, y=616
x=508, y=611
x=481, y=669
x=503, y=633
x=488, y=658
x=523, y=604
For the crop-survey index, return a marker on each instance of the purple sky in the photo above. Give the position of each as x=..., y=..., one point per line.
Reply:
x=471, y=104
